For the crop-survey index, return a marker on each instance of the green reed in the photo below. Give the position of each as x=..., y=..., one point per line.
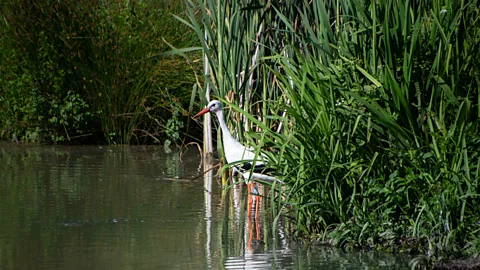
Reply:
x=368, y=111
x=394, y=114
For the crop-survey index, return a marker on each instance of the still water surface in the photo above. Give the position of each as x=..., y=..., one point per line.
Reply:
x=96, y=207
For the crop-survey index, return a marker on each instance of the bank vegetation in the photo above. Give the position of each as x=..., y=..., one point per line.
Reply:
x=368, y=111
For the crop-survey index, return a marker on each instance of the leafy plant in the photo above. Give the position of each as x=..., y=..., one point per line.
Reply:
x=368, y=110
x=88, y=68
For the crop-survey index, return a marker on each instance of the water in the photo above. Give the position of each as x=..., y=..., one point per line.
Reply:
x=125, y=207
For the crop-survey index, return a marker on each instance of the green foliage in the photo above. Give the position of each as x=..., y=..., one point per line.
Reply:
x=369, y=112
x=174, y=124
x=33, y=101
x=86, y=68
x=385, y=128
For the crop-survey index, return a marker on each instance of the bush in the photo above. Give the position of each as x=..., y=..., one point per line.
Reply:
x=87, y=71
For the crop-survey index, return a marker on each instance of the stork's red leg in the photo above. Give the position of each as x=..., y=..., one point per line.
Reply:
x=257, y=205
x=250, y=200
x=257, y=229
x=250, y=231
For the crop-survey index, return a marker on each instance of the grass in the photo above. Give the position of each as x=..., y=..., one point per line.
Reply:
x=369, y=113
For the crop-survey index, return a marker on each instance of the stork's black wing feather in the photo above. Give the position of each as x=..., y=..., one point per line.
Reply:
x=260, y=168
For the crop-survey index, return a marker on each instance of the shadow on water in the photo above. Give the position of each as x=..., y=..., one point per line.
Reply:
x=95, y=207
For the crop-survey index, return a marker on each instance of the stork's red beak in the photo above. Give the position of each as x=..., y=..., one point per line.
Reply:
x=202, y=112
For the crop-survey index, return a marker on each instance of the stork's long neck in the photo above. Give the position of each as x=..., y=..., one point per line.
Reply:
x=234, y=151
x=227, y=136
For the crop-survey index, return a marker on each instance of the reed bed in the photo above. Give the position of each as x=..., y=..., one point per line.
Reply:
x=367, y=110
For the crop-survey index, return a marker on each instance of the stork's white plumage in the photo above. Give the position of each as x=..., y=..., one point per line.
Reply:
x=235, y=151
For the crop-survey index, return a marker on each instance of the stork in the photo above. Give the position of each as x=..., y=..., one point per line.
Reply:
x=235, y=152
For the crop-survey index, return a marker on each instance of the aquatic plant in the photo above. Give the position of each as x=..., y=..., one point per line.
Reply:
x=368, y=110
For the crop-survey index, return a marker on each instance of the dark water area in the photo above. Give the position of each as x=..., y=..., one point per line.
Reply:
x=125, y=207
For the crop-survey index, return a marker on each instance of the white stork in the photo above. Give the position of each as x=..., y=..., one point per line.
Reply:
x=235, y=152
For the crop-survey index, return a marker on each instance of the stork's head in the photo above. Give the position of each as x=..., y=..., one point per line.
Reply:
x=213, y=106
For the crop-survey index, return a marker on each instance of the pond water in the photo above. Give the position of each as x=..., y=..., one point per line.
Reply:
x=124, y=207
